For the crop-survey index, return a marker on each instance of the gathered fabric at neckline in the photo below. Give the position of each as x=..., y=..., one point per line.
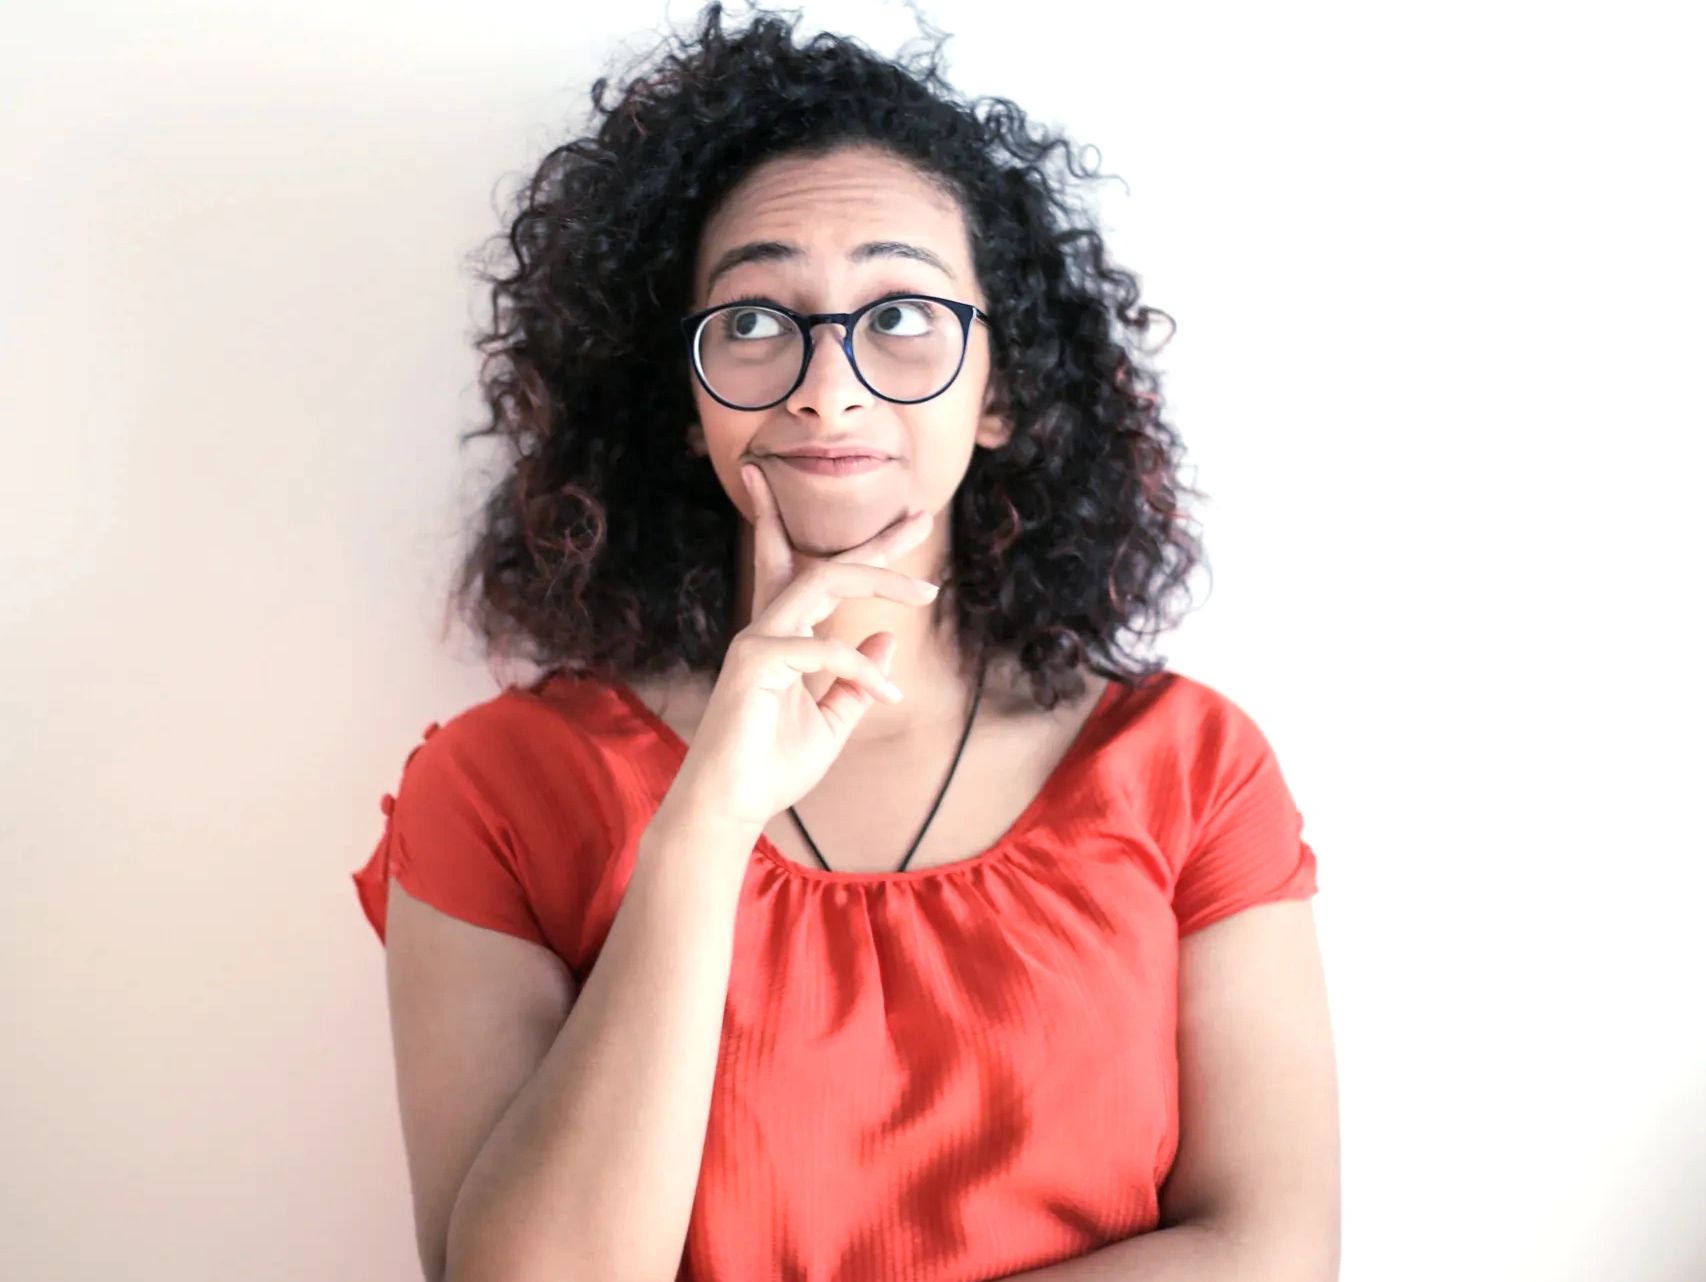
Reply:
x=1000, y=849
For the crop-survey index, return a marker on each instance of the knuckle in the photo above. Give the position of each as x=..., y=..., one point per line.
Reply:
x=793, y=589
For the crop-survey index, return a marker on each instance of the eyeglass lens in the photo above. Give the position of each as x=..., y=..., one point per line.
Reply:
x=907, y=349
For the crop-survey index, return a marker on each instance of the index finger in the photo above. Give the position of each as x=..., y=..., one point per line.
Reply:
x=772, y=549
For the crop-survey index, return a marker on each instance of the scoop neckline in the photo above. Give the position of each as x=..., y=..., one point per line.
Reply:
x=1002, y=848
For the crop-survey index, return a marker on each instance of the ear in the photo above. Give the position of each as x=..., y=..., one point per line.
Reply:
x=994, y=424
x=696, y=438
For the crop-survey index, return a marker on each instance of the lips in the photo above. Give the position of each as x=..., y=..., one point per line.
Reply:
x=844, y=465
x=837, y=451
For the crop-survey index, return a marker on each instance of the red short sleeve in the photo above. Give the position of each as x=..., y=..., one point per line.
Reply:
x=1249, y=847
x=447, y=841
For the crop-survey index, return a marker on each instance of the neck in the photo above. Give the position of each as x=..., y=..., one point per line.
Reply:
x=926, y=662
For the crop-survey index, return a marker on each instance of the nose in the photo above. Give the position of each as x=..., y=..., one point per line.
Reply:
x=830, y=387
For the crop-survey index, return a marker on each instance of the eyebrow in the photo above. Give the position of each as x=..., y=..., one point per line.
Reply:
x=781, y=251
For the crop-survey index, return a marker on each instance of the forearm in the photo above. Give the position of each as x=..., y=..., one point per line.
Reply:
x=592, y=1169
x=1193, y=1251
x=1182, y=1253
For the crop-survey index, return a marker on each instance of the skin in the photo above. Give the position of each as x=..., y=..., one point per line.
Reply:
x=827, y=206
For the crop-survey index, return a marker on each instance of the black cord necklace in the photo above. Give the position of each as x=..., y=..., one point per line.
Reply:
x=977, y=697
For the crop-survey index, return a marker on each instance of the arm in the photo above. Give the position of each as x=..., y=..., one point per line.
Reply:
x=545, y=1144
x=1254, y=1191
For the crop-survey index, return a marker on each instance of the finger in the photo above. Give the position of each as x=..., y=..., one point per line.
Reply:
x=773, y=551
x=814, y=596
x=845, y=702
x=801, y=656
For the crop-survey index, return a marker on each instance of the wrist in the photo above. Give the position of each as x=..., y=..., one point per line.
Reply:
x=689, y=809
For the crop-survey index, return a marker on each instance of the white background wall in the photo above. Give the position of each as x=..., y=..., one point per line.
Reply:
x=1439, y=279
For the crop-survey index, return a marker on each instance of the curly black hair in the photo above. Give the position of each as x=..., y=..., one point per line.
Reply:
x=609, y=546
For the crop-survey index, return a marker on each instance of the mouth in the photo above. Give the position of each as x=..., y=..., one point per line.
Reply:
x=841, y=465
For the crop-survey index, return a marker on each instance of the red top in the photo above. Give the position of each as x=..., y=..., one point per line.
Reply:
x=956, y=1072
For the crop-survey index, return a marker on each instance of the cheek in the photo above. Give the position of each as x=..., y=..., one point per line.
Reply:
x=726, y=445
x=721, y=442
x=942, y=448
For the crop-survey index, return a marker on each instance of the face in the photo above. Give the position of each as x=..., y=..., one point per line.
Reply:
x=825, y=208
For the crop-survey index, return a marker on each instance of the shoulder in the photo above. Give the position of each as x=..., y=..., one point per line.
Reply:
x=1168, y=714
x=519, y=763
x=515, y=729
x=1180, y=748
x=1213, y=733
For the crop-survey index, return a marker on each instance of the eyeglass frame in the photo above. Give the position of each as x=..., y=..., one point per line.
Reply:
x=807, y=322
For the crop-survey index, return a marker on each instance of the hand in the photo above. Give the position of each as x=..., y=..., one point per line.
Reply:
x=764, y=741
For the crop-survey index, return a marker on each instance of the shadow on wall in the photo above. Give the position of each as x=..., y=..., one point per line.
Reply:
x=1653, y=1228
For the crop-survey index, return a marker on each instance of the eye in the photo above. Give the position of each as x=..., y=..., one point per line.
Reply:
x=745, y=324
x=902, y=318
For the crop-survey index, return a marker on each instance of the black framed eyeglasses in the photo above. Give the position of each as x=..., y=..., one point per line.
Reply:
x=751, y=354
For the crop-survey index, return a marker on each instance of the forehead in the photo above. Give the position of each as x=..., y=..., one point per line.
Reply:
x=827, y=205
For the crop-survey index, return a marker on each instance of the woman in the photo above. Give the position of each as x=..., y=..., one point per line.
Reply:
x=650, y=1023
